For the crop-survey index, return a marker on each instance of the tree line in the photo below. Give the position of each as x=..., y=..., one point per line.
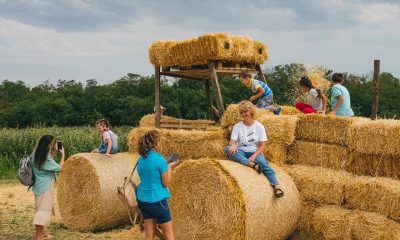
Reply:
x=125, y=101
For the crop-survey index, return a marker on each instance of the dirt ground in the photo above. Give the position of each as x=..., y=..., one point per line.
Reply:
x=17, y=210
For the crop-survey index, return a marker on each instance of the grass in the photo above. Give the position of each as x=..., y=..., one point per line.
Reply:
x=15, y=143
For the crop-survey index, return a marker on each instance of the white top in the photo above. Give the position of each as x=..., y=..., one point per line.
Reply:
x=314, y=100
x=248, y=137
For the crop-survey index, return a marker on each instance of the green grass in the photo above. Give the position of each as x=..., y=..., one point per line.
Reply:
x=15, y=143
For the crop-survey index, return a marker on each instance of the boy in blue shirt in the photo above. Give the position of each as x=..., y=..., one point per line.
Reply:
x=340, y=97
x=264, y=95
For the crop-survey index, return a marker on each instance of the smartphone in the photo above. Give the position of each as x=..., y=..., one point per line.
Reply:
x=174, y=157
x=59, y=146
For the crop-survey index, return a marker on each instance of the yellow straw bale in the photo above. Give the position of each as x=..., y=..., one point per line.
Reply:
x=325, y=128
x=376, y=137
x=319, y=154
x=276, y=153
x=333, y=222
x=372, y=194
x=319, y=184
x=87, y=188
x=188, y=143
x=289, y=110
x=379, y=165
x=149, y=120
x=317, y=77
x=225, y=200
x=199, y=51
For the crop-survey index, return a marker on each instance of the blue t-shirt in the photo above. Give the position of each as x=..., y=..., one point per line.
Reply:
x=255, y=86
x=151, y=189
x=344, y=109
x=43, y=177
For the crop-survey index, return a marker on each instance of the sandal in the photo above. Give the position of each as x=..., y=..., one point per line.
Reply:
x=257, y=167
x=279, y=193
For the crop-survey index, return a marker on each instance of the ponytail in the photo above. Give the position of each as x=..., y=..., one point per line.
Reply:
x=306, y=82
x=148, y=142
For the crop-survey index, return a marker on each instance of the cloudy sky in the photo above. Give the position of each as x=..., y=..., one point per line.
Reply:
x=105, y=39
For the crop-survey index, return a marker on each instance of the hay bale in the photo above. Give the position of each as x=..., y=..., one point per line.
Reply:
x=319, y=184
x=319, y=155
x=372, y=194
x=325, y=186
x=188, y=143
x=280, y=129
x=199, y=51
x=325, y=128
x=87, y=188
x=289, y=110
x=149, y=120
x=332, y=222
x=317, y=77
x=276, y=153
x=226, y=200
x=375, y=137
x=377, y=165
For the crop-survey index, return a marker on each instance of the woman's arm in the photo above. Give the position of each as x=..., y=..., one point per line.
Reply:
x=233, y=147
x=259, y=151
x=166, y=176
x=62, y=157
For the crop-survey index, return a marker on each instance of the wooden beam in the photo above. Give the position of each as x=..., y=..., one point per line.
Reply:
x=260, y=74
x=375, y=90
x=217, y=90
x=157, y=93
x=209, y=101
x=187, y=76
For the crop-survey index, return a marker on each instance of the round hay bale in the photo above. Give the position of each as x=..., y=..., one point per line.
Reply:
x=86, y=190
x=223, y=199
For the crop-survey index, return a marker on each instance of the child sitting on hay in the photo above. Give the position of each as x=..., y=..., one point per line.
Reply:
x=264, y=96
x=316, y=100
x=340, y=97
x=109, y=140
x=247, y=145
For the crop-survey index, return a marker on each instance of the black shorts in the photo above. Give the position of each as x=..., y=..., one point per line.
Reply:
x=158, y=210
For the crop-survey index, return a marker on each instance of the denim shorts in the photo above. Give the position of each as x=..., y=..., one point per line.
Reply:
x=158, y=210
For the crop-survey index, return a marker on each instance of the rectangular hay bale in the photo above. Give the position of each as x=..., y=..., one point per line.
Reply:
x=276, y=153
x=325, y=128
x=376, y=137
x=319, y=155
x=377, y=165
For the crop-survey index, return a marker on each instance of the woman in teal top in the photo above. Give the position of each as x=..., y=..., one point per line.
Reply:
x=152, y=193
x=44, y=170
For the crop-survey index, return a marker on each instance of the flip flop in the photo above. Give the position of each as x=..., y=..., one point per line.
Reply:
x=279, y=193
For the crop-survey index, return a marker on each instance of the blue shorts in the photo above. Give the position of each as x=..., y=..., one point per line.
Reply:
x=158, y=210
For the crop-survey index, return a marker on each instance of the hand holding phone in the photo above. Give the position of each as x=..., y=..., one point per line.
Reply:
x=59, y=146
x=174, y=158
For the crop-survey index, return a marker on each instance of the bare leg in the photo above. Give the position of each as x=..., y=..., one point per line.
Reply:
x=150, y=227
x=39, y=232
x=167, y=230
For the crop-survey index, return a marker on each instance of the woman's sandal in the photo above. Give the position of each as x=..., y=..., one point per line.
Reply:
x=279, y=193
x=257, y=167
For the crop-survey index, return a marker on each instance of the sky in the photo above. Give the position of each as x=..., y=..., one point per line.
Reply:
x=106, y=39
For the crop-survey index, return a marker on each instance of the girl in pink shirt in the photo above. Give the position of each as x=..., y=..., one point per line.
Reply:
x=109, y=140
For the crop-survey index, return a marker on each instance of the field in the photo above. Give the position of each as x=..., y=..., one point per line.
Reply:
x=15, y=143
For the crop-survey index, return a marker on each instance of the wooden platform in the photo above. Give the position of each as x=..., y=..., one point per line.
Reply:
x=187, y=124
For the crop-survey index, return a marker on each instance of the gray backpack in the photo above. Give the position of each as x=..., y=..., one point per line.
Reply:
x=25, y=171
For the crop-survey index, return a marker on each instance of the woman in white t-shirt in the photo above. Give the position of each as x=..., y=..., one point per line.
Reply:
x=247, y=145
x=316, y=100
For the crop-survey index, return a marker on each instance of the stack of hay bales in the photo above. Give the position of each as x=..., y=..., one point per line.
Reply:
x=87, y=187
x=199, y=51
x=188, y=143
x=340, y=205
x=149, y=121
x=375, y=148
x=280, y=130
x=223, y=199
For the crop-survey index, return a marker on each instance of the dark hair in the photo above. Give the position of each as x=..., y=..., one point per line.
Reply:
x=245, y=74
x=306, y=82
x=148, y=141
x=42, y=150
x=103, y=122
x=338, y=77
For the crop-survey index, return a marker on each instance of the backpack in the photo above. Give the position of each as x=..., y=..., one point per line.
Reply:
x=25, y=171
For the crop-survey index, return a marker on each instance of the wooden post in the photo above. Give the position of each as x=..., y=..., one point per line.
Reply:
x=260, y=74
x=157, y=90
x=217, y=90
x=375, y=89
x=209, y=102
